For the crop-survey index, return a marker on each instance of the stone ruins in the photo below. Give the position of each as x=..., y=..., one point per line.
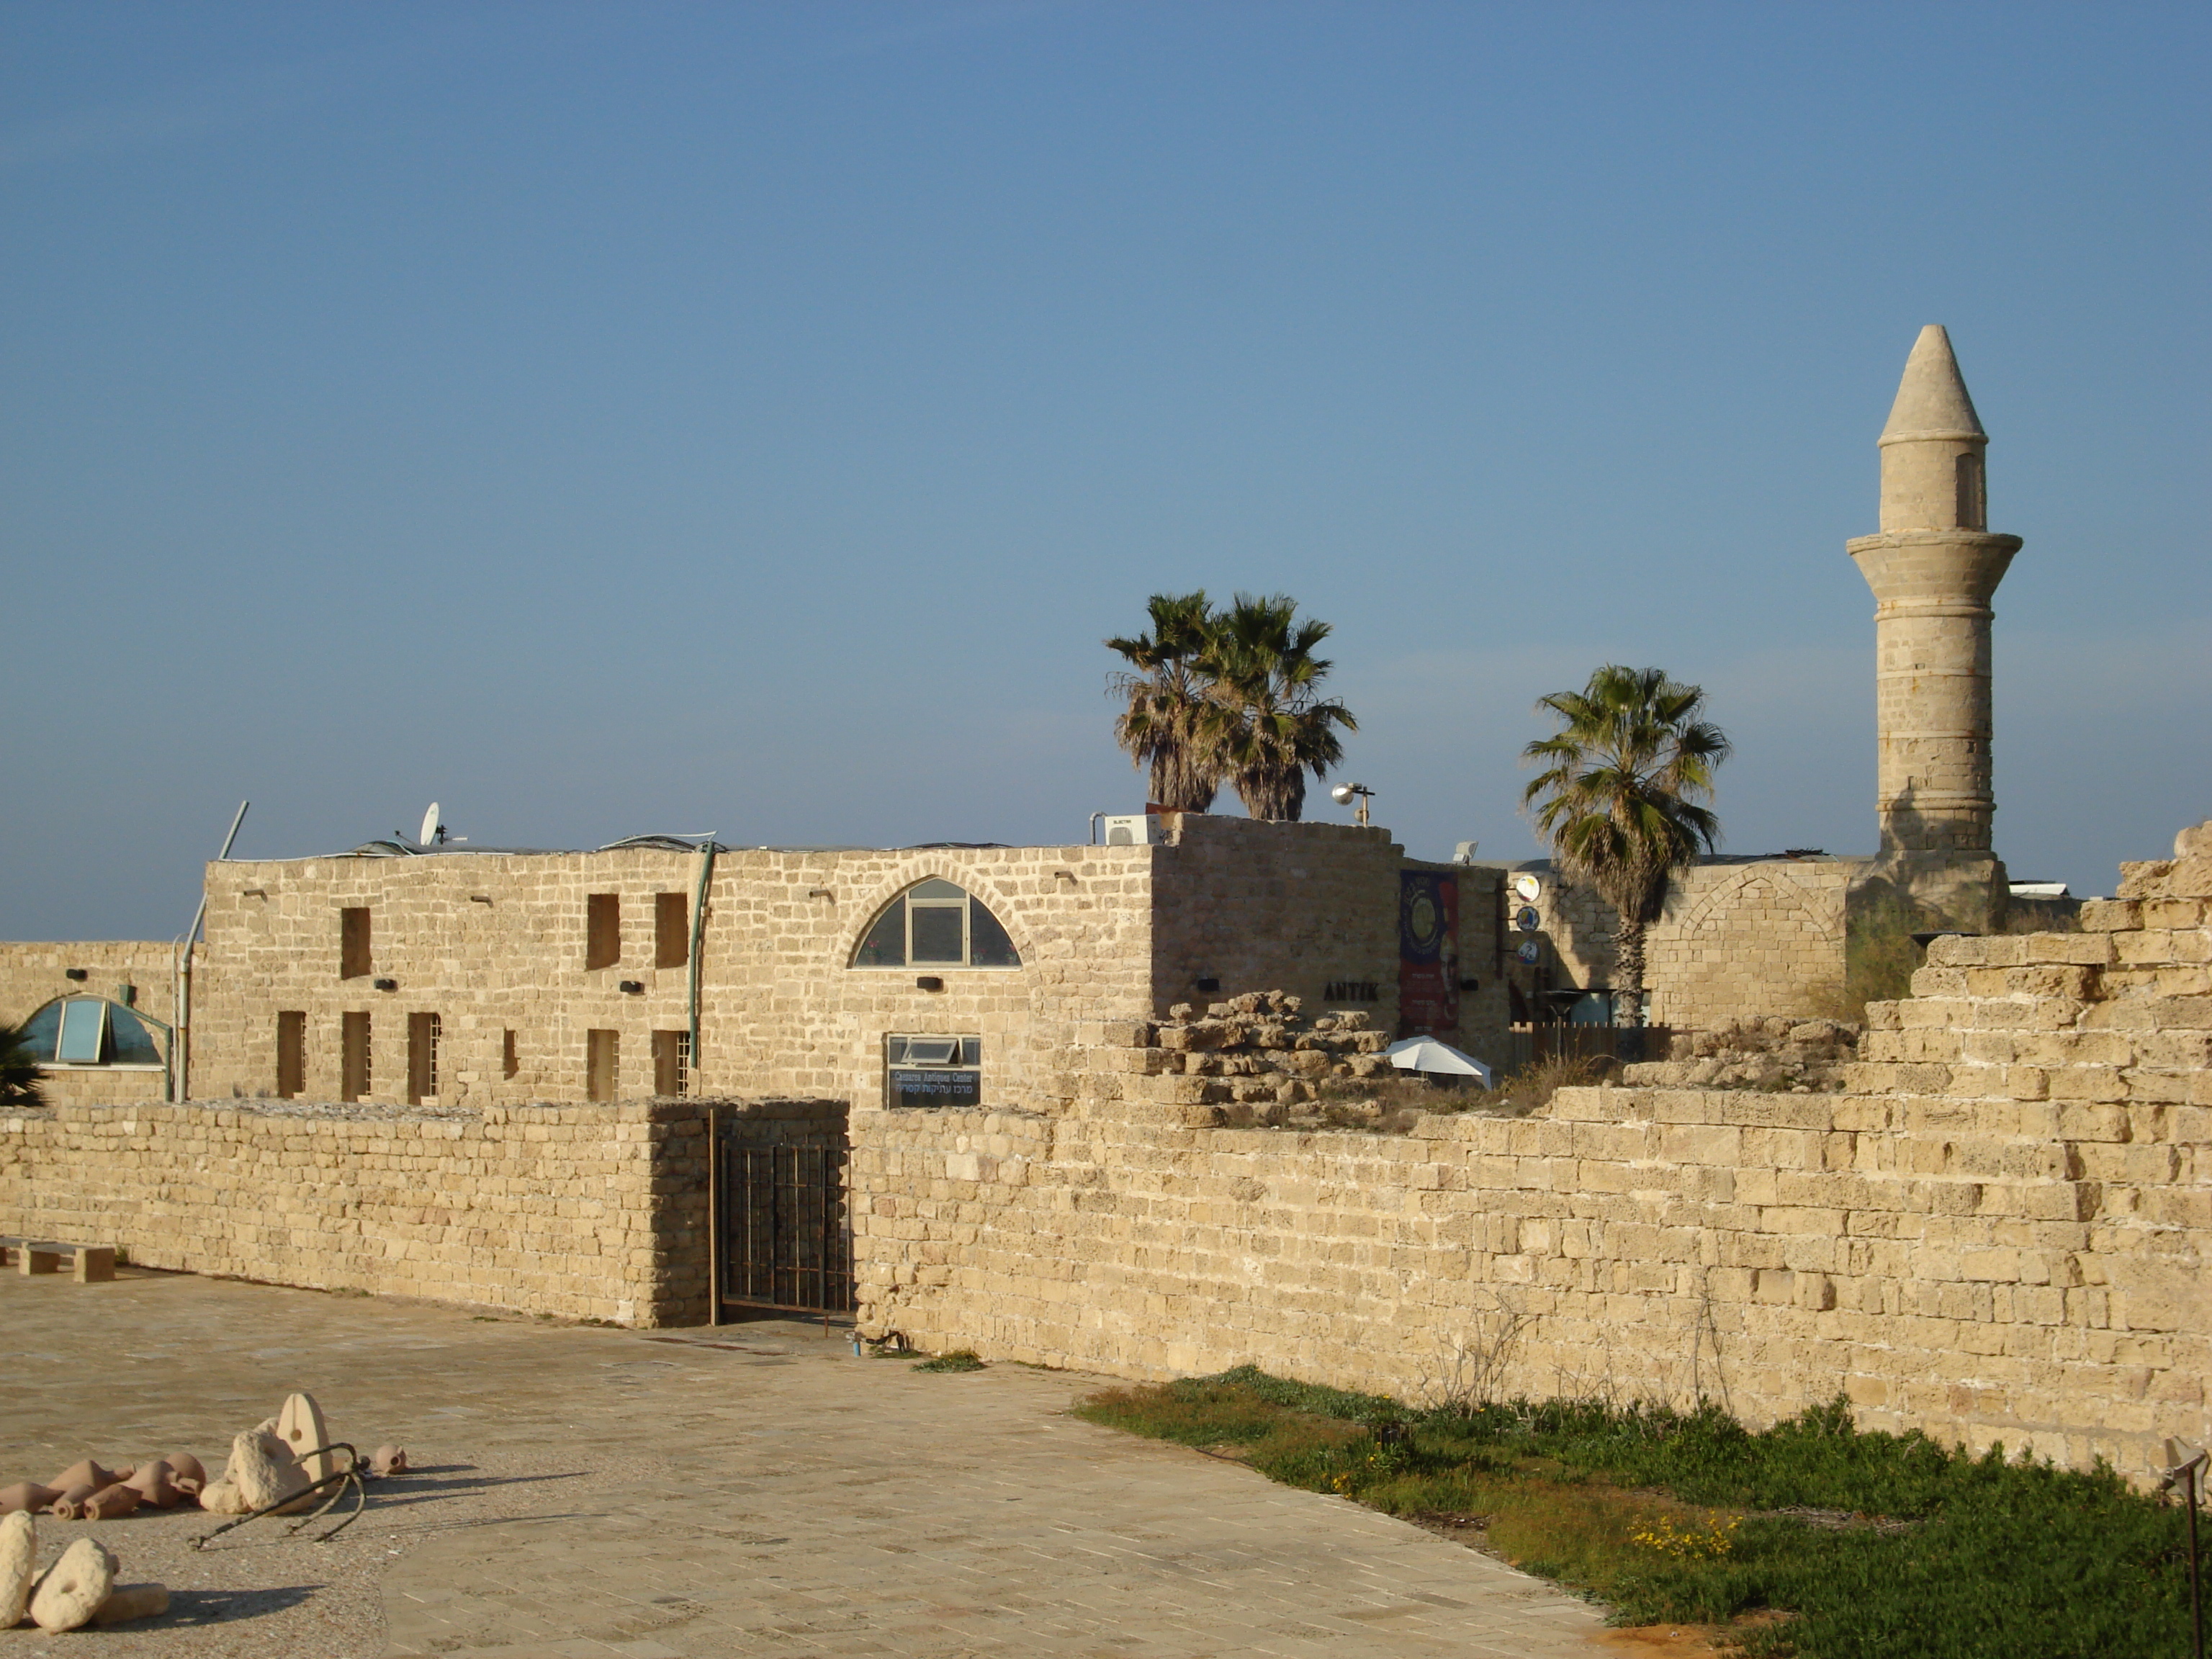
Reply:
x=1060, y=1100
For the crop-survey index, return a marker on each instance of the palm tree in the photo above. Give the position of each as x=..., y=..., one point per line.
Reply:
x=21, y=1080
x=1269, y=724
x=1166, y=701
x=1617, y=798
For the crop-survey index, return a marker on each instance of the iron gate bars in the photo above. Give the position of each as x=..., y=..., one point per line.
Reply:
x=783, y=1233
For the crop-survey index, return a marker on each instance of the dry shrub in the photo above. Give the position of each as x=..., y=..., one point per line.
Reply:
x=1531, y=1088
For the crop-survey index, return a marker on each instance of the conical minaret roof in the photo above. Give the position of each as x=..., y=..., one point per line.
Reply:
x=1931, y=399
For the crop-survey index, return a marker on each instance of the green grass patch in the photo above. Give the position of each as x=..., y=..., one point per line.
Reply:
x=960, y=1359
x=1877, y=1546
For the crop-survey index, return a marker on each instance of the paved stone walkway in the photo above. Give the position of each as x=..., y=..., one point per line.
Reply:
x=677, y=1495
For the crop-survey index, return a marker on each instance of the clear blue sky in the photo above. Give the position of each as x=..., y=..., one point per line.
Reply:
x=608, y=418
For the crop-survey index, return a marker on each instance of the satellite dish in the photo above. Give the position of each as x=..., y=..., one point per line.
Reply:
x=433, y=832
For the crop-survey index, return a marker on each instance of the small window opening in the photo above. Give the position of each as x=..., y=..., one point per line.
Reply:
x=934, y=924
x=601, y=1050
x=354, y=1081
x=291, y=1054
x=671, y=1062
x=509, y=1062
x=1973, y=508
x=671, y=930
x=353, y=943
x=602, y=930
x=424, y=1032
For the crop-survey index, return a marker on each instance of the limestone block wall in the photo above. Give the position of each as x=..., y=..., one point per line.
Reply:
x=1946, y=1266
x=2000, y=1234
x=495, y=944
x=139, y=973
x=1288, y=907
x=581, y=1212
x=1735, y=939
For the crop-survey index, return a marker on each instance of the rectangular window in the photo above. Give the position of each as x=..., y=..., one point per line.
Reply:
x=291, y=1054
x=671, y=930
x=353, y=1059
x=671, y=1063
x=1973, y=510
x=933, y=1071
x=600, y=1052
x=602, y=930
x=353, y=943
x=423, y=1034
x=509, y=1062
x=84, y=1032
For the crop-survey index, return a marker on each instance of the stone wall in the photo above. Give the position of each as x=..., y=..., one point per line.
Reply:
x=1737, y=938
x=2000, y=1234
x=137, y=973
x=494, y=943
x=1268, y=906
x=579, y=1212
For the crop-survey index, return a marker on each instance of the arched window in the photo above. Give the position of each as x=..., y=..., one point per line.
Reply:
x=934, y=924
x=89, y=1031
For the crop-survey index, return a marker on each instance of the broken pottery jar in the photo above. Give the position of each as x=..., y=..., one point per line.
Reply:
x=70, y=1506
x=24, y=1496
x=186, y=1471
x=127, y=1601
x=152, y=1484
x=387, y=1461
x=87, y=1473
x=19, y=1553
x=111, y=1503
x=74, y=1587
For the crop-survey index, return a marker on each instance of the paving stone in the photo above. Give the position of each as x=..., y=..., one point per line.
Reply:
x=577, y=1492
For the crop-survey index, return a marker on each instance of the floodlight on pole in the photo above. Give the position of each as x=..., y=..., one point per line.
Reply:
x=1356, y=795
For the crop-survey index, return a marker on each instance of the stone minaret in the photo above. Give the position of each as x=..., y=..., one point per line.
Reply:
x=1933, y=569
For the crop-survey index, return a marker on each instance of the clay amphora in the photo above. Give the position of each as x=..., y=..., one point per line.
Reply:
x=26, y=1495
x=186, y=1471
x=388, y=1460
x=155, y=1483
x=70, y=1506
x=111, y=1503
x=86, y=1473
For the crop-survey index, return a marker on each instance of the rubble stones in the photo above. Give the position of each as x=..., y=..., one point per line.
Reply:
x=128, y=1601
x=1773, y=1054
x=260, y=1474
x=74, y=1587
x=19, y=1552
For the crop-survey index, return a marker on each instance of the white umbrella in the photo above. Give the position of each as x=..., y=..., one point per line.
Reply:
x=1425, y=1054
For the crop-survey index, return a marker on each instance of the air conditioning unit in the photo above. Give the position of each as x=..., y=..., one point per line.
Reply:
x=1135, y=830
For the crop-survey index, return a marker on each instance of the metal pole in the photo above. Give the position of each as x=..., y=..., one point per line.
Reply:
x=698, y=935
x=180, y=1042
x=715, y=1224
x=2190, y=1479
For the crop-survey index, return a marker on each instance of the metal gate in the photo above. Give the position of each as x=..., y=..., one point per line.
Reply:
x=783, y=1233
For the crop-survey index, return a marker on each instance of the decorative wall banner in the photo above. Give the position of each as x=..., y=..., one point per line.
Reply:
x=1428, y=954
